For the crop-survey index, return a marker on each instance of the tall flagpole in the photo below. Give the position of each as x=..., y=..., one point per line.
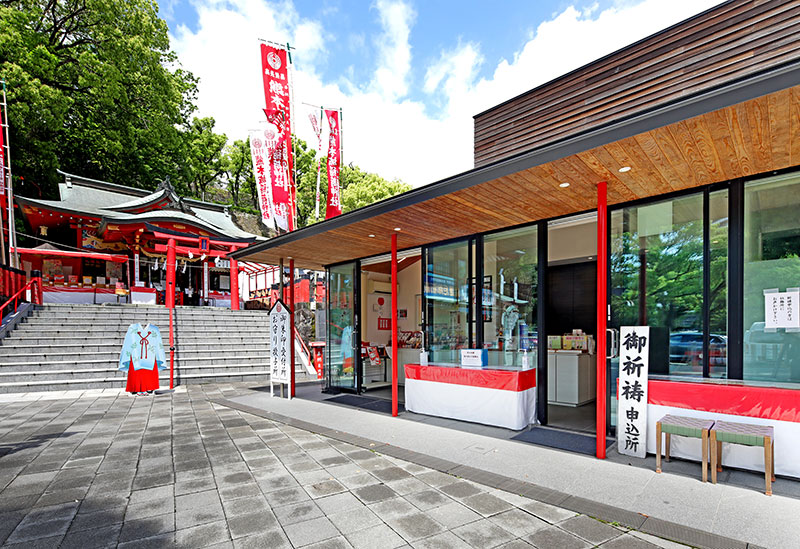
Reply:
x=292, y=160
x=12, y=231
x=319, y=155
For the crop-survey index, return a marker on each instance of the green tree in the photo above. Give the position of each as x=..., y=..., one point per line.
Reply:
x=205, y=159
x=238, y=171
x=360, y=188
x=94, y=89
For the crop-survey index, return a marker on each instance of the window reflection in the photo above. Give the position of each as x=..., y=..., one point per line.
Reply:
x=771, y=262
x=509, y=297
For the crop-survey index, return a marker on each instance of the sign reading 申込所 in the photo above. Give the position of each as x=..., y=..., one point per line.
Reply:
x=634, y=363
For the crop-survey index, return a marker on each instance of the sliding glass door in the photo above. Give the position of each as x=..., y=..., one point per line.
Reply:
x=343, y=339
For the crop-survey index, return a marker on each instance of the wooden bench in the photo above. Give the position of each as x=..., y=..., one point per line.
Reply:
x=683, y=426
x=747, y=435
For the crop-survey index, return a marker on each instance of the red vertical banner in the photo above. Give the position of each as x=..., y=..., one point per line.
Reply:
x=334, y=207
x=260, y=149
x=275, y=72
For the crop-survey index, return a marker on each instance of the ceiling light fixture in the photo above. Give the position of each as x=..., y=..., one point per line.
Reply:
x=624, y=169
x=563, y=185
x=397, y=228
x=371, y=235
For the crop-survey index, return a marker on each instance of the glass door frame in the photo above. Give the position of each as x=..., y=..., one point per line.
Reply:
x=356, y=337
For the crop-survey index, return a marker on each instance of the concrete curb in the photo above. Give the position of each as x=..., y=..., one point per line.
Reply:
x=607, y=513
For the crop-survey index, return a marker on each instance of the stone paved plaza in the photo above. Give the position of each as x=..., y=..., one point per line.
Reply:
x=106, y=469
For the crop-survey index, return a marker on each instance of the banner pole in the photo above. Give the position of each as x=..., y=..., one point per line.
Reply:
x=12, y=231
x=319, y=158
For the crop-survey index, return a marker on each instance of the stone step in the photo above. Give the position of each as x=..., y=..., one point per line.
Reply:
x=138, y=318
x=31, y=341
x=114, y=373
x=103, y=382
x=79, y=321
x=111, y=330
x=79, y=353
x=187, y=358
x=114, y=346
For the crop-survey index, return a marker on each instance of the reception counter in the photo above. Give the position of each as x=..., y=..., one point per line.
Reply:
x=505, y=398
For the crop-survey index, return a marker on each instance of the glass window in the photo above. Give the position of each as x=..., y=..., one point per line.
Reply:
x=718, y=284
x=509, y=297
x=657, y=280
x=447, y=296
x=771, y=262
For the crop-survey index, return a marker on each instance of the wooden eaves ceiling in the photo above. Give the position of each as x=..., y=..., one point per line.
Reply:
x=755, y=136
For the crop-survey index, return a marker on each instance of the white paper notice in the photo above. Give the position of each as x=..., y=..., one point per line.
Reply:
x=634, y=365
x=781, y=309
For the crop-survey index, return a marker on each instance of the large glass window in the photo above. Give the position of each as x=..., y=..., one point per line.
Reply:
x=448, y=293
x=771, y=264
x=657, y=280
x=509, y=297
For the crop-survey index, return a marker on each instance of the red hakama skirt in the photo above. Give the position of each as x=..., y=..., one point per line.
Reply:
x=140, y=381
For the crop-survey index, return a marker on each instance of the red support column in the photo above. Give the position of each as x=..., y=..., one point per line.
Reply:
x=602, y=314
x=394, y=325
x=234, y=285
x=169, y=295
x=291, y=315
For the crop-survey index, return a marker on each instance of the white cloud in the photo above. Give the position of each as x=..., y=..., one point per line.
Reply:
x=384, y=131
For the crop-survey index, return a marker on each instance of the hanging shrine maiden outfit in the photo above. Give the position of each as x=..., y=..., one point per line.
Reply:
x=142, y=357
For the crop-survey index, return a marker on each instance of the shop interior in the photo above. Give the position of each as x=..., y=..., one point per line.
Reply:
x=376, y=326
x=571, y=305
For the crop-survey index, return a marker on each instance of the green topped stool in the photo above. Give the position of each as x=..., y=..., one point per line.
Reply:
x=683, y=426
x=746, y=435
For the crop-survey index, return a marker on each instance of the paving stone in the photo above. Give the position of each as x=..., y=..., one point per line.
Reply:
x=310, y=531
x=148, y=527
x=203, y=535
x=415, y=526
x=247, y=525
x=151, y=494
x=483, y=533
x=445, y=540
x=338, y=503
x=312, y=477
x=358, y=480
x=591, y=530
x=286, y=497
x=299, y=512
x=105, y=536
x=436, y=478
x=408, y=485
x=26, y=532
x=183, y=487
x=374, y=493
x=627, y=541
x=240, y=491
x=518, y=522
x=85, y=521
x=516, y=544
x=378, y=536
x=325, y=488
x=555, y=537
x=486, y=504
x=391, y=473
x=547, y=512
x=198, y=515
x=150, y=508
x=460, y=489
x=354, y=520
x=333, y=543
x=282, y=482
x=428, y=499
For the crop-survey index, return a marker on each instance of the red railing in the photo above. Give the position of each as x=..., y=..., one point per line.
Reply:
x=35, y=285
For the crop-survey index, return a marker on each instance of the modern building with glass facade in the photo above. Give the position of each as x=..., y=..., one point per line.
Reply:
x=658, y=186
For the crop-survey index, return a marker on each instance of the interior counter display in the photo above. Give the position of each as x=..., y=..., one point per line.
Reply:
x=143, y=296
x=571, y=377
x=505, y=398
x=78, y=296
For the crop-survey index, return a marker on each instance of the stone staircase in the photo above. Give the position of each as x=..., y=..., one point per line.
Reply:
x=62, y=347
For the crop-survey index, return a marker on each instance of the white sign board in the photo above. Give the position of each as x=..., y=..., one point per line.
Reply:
x=280, y=326
x=136, y=268
x=205, y=279
x=634, y=365
x=472, y=358
x=782, y=309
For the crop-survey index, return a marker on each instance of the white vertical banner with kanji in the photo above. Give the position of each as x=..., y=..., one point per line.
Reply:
x=280, y=326
x=634, y=365
x=334, y=207
x=317, y=125
x=259, y=150
x=274, y=65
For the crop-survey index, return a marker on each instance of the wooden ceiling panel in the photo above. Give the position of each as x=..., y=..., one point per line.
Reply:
x=758, y=136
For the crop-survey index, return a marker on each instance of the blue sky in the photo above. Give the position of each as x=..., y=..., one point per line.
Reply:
x=409, y=74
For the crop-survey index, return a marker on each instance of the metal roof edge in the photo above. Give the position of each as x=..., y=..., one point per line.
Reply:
x=771, y=81
x=105, y=185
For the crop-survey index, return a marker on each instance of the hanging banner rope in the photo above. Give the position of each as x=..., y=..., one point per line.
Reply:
x=274, y=65
x=334, y=207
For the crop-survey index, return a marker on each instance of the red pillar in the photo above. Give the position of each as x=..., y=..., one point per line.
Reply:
x=234, y=285
x=169, y=296
x=602, y=314
x=291, y=315
x=394, y=325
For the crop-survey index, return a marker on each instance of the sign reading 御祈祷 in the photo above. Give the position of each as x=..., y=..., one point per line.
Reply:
x=634, y=364
x=280, y=327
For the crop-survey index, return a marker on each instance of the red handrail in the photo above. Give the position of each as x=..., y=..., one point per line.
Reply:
x=15, y=298
x=302, y=343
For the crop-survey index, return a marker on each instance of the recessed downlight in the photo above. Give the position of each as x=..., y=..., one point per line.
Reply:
x=624, y=169
x=563, y=185
x=397, y=228
x=371, y=236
